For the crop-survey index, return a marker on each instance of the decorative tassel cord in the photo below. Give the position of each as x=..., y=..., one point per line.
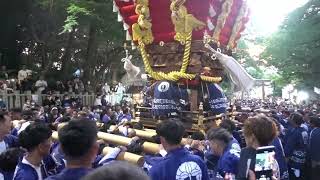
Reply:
x=174, y=75
x=145, y=37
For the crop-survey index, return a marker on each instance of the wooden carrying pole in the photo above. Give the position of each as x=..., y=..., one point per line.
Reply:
x=140, y=133
x=124, y=141
x=122, y=156
x=126, y=156
x=147, y=134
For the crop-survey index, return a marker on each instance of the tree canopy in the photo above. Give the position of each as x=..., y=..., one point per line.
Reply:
x=65, y=35
x=55, y=36
x=294, y=48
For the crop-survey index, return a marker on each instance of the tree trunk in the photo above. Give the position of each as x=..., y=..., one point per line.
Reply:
x=67, y=56
x=114, y=75
x=44, y=58
x=89, y=62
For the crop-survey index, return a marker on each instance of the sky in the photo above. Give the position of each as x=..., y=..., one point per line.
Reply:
x=267, y=15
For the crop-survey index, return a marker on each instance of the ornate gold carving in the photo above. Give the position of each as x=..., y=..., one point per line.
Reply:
x=184, y=23
x=141, y=31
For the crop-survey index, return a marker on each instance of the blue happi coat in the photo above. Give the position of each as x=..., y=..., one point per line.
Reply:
x=314, y=145
x=179, y=164
x=25, y=170
x=11, y=141
x=296, y=147
x=228, y=162
x=149, y=161
x=280, y=158
x=70, y=173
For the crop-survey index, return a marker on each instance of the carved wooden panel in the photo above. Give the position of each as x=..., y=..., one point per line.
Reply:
x=168, y=58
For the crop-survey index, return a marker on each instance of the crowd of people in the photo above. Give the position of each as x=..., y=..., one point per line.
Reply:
x=229, y=151
x=27, y=80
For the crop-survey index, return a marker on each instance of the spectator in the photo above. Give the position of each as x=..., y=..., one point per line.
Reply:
x=69, y=86
x=27, y=105
x=89, y=88
x=104, y=101
x=78, y=86
x=59, y=87
x=42, y=114
x=3, y=105
x=54, y=115
x=41, y=85
x=48, y=101
x=23, y=73
x=66, y=102
x=296, y=146
x=178, y=163
x=117, y=171
x=98, y=89
x=3, y=73
x=106, y=89
x=220, y=142
x=36, y=139
x=57, y=102
x=97, y=101
x=78, y=143
x=27, y=84
x=12, y=84
x=6, y=140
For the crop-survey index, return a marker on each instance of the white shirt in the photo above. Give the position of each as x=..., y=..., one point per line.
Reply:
x=41, y=85
x=3, y=146
x=23, y=74
x=106, y=89
x=121, y=89
x=97, y=102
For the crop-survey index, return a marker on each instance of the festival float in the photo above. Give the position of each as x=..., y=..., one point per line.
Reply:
x=184, y=45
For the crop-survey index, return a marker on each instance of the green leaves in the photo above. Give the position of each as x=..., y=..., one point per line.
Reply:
x=74, y=11
x=294, y=49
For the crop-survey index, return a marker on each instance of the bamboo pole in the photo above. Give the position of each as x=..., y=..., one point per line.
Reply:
x=122, y=156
